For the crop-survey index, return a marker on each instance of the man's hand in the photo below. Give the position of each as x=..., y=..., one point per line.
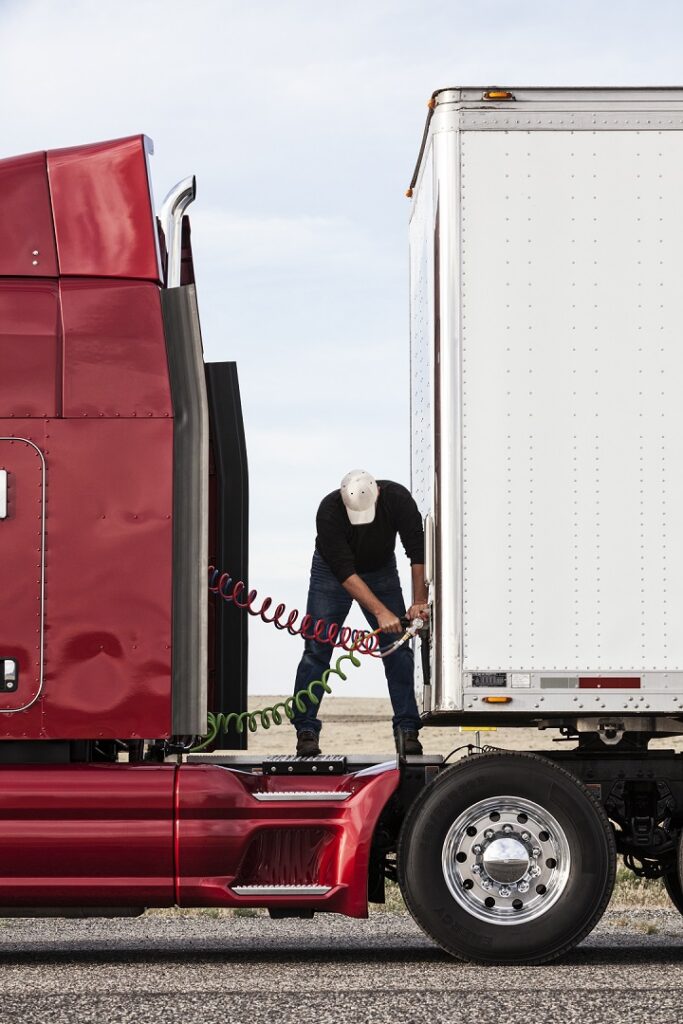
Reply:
x=419, y=610
x=388, y=622
x=360, y=591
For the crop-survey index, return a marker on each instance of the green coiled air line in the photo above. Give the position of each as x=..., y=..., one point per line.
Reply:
x=277, y=713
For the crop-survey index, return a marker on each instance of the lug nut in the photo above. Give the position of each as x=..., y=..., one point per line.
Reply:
x=485, y=884
x=523, y=886
x=526, y=837
x=536, y=852
x=476, y=869
x=534, y=870
x=476, y=849
x=504, y=891
x=507, y=828
x=488, y=834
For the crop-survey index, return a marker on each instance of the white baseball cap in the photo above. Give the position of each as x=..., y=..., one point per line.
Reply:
x=359, y=493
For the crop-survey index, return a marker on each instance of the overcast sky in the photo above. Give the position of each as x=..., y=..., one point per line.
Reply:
x=302, y=120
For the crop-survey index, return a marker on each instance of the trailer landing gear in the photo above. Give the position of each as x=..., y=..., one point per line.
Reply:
x=506, y=858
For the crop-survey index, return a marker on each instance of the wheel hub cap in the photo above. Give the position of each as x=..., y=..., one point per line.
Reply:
x=506, y=860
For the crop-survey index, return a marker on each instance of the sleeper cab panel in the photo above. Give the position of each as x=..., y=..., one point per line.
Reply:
x=21, y=557
x=108, y=579
x=27, y=241
x=95, y=835
x=110, y=486
x=104, y=220
x=114, y=350
x=29, y=348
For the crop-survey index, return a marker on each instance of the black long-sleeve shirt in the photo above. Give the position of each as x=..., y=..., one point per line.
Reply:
x=349, y=549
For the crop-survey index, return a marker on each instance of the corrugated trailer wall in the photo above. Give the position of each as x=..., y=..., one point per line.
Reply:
x=557, y=497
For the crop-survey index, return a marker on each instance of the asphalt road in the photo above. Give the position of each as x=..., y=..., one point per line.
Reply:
x=252, y=970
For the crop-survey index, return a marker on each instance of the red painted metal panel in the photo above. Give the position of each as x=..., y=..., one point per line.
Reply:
x=29, y=348
x=103, y=216
x=220, y=825
x=86, y=835
x=27, y=242
x=114, y=349
x=108, y=580
x=609, y=682
x=110, y=488
x=21, y=558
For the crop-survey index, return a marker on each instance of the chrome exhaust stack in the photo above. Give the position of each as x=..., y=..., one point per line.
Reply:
x=171, y=217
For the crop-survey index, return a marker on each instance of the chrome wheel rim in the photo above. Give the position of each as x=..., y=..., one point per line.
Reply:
x=506, y=860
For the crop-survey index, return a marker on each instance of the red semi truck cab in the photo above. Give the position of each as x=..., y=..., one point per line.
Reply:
x=110, y=654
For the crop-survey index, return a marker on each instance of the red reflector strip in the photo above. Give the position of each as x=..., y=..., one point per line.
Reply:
x=609, y=682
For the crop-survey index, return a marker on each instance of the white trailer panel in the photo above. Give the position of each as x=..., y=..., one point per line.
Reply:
x=555, y=342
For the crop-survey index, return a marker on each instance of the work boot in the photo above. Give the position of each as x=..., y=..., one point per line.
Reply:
x=307, y=743
x=407, y=741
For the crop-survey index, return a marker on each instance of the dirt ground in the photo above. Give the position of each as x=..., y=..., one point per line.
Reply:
x=362, y=725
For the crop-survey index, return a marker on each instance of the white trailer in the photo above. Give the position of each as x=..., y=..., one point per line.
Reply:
x=546, y=256
x=547, y=370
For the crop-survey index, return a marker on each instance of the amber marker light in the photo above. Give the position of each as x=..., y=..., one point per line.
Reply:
x=497, y=94
x=496, y=700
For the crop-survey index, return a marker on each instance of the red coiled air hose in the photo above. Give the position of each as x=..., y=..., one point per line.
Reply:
x=232, y=591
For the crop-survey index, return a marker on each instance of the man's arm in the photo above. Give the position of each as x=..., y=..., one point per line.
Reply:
x=409, y=526
x=361, y=592
x=419, y=609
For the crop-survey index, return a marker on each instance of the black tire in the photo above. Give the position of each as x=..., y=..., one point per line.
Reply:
x=580, y=896
x=672, y=884
x=673, y=879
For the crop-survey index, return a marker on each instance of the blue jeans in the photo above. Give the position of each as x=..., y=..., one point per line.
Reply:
x=328, y=600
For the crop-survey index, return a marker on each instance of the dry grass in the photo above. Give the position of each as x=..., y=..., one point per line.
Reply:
x=630, y=891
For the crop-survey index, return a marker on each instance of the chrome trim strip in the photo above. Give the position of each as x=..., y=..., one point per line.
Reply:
x=171, y=217
x=282, y=796
x=148, y=146
x=280, y=890
x=429, y=548
x=190, y=509
x=24, y=707
x=447, y=425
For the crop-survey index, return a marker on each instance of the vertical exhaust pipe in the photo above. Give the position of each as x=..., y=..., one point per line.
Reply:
x=171, y=217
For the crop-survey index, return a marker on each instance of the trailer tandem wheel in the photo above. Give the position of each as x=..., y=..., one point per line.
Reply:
x=506, y=858
x=673, y=879
x=672, y=884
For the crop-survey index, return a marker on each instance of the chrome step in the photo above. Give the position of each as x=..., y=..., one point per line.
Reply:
x=281, y=890
x=297, y=795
